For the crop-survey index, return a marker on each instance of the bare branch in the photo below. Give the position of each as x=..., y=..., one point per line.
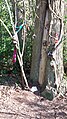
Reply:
x=23, y=49
x=10, y=15
x=51, y=23
x=6, y=28
x=23, y=42
x=22, y=70
x=53, y=11
x=15, y=13
x=61, y=34
x=24, y=77
x=24, y=30
x=18, y=58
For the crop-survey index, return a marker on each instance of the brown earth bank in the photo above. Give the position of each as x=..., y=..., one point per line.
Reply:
x=16, y=103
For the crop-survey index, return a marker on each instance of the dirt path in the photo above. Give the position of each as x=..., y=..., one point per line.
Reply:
x=19, y=104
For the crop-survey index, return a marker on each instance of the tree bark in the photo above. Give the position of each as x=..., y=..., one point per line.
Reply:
x=47, y=56
x=37, y=43
x=45, y=43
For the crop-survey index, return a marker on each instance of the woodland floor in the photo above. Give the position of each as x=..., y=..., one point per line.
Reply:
x=16, y=103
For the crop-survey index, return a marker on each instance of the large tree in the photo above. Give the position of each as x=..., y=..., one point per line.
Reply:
x=47, y=55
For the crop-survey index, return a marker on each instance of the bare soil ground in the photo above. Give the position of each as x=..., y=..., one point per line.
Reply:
x=16, y=103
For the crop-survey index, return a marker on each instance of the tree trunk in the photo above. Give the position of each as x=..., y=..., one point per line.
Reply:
x=37, y=43
x=45, y=43
x=47, y=56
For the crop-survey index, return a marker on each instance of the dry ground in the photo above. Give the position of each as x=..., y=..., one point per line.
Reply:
x=16, y=103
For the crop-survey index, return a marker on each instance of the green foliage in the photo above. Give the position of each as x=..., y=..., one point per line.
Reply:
x=6, y=46
x=28, y=50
